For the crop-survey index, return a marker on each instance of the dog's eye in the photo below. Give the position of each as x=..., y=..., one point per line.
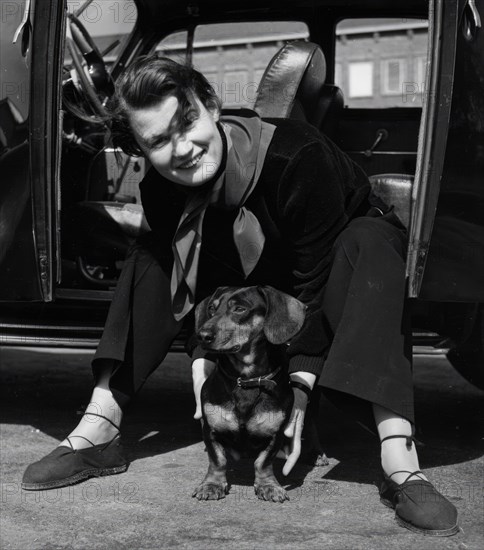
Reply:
x=211, y=310
x=240, y=309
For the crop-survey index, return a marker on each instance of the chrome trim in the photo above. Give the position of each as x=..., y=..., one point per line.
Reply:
x=77, y=294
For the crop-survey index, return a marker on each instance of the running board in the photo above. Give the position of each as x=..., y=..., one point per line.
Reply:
x=77, y=336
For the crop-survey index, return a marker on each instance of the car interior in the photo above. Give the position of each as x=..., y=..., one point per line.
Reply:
x=355, y=70
x=101, y=215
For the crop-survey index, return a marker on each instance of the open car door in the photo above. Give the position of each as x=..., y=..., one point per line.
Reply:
x=31, y=53
x=446, y=246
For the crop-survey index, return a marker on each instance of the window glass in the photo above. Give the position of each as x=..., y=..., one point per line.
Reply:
x=174, y=46
x=392, y=76
x=360, y=79
x=381, y=62
x=233, y=56
x=420, y=71
x=108, y=23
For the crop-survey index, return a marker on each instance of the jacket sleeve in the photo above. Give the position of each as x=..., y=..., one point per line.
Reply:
x=162, y=207
x=312, y=207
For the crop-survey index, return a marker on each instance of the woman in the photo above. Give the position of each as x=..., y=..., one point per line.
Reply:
x=236, y=200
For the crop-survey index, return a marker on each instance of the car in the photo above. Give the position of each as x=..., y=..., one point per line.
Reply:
x=399, y=88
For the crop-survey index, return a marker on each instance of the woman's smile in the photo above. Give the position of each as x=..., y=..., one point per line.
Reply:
x=191, y=162
x=189, y=156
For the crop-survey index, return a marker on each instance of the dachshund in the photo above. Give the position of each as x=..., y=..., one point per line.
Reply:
x=247, y=399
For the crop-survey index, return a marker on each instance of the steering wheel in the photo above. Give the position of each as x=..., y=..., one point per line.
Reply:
x=96, y=83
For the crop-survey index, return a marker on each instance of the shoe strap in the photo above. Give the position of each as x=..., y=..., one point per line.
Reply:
x=410, y=439
x=109, y=442
x=410, y=474
x=105, y=418
x=82, y=437
x=89, y=441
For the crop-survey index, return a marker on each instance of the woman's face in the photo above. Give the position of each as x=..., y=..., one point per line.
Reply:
x=190, y=157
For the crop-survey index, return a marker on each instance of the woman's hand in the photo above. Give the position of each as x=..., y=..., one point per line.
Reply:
x=201, y=369
x=295, y=426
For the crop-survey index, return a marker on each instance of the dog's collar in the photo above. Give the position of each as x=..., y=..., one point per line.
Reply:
x=266, y=381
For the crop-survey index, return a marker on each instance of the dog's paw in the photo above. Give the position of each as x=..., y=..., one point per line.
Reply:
x=314, y=458
x=321, y=460
x=271, y=492
x=211, y=491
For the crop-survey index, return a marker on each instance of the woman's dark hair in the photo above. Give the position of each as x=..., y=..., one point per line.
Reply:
x=148, y=81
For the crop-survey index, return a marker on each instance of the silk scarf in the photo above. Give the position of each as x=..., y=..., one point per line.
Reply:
x=247, y=142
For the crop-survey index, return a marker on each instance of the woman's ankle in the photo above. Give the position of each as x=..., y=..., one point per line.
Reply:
x=399, y=460
x=99, y=424
x=399, y=456
x=91, y=430
x=103, y=404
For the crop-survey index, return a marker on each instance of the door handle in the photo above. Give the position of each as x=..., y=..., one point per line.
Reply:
x=381, y=135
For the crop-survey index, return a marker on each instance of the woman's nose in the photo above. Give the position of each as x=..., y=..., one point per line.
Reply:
x=182, y=146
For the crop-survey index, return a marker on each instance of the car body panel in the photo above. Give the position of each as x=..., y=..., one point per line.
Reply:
x=30, y=156
x=454, y=270
x=19, y=277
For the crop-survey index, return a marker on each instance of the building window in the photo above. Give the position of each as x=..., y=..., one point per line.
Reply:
x=241, y=51
x=360, y=76
x=393, y=46
x=420, y=72
x=338, y=75
x=392, y=76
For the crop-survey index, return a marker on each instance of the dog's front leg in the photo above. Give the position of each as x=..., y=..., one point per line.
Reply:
x=214, y=486
x=266, y=485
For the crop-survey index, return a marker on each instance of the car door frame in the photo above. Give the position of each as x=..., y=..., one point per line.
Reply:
x=443, y=27
x=33, y=36
x=45, y=138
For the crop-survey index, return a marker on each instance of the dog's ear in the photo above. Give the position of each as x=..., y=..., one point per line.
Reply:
x=201, y=313
x=285, y=315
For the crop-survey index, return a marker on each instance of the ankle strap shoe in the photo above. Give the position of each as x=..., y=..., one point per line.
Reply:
x=418, y=505
x=66, y=465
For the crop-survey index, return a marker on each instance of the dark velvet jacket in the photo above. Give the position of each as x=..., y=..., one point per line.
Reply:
x=307, y=193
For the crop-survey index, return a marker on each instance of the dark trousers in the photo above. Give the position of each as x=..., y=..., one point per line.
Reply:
x=369, y=360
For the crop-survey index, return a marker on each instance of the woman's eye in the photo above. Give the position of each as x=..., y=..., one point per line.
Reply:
x=190, y=119
x=160, y=143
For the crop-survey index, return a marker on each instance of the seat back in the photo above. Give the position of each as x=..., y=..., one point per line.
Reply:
x=293, y=86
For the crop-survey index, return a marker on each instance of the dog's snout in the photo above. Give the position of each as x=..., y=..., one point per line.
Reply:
x=205, y=336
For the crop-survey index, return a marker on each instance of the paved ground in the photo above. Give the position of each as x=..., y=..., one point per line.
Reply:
x=150, y=506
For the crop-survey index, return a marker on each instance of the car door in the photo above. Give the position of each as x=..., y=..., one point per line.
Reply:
x=446, y=247
x=31, y=36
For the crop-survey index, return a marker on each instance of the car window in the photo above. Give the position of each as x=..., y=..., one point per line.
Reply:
x=174, y=46
x=381, y=62
x=108, y=23
x=233, y=56
x=111, y=175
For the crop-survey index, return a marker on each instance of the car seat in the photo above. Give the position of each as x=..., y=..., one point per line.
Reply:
x=293, y=86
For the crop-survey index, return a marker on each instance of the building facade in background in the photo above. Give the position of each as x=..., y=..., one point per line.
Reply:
x=379, y=63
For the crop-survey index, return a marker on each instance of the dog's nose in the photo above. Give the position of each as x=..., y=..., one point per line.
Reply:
x=205, y=336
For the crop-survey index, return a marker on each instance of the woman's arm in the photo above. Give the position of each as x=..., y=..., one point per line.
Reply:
x=201, y=370
x=312, y=205
x=163, y=207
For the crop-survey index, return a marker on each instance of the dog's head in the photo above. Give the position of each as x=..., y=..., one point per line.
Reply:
x=233, y=317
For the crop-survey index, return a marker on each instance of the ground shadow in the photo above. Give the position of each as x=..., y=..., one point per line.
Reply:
x=50, y=397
